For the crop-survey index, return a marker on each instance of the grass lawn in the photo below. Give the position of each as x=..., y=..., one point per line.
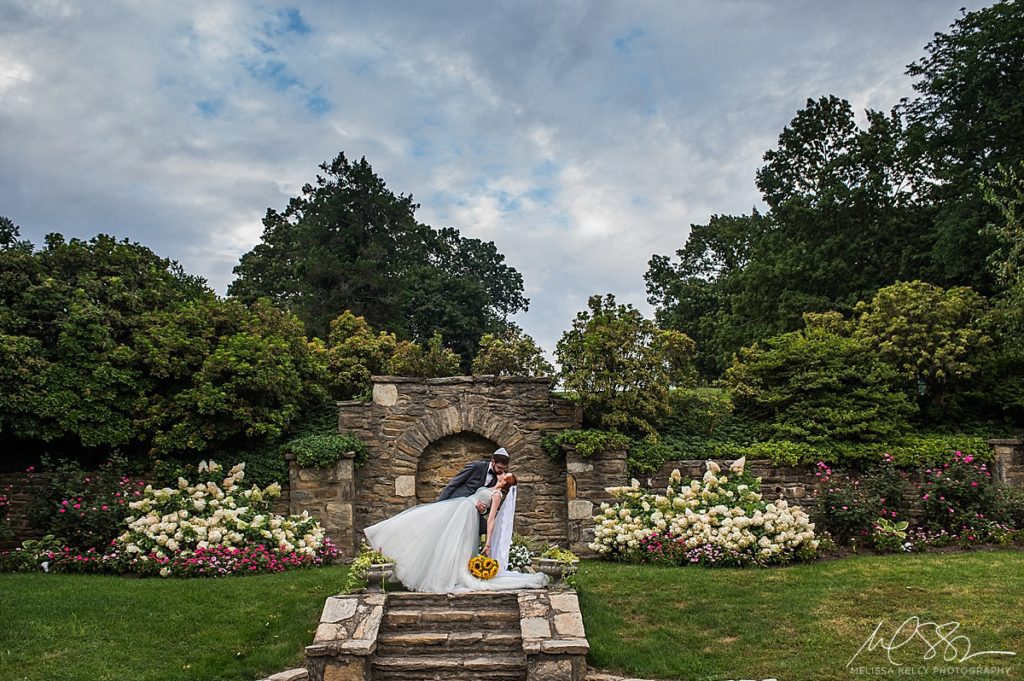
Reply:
x=794, y=624
x=86, y=627
x=808, y=621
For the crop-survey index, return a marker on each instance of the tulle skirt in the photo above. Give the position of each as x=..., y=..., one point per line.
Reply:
x=431, y=545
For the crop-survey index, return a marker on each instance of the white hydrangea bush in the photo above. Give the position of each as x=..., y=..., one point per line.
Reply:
x=170, y=521
x=718, y=520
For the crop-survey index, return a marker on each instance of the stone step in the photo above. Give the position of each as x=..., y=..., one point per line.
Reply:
x=409, y=621
x=453, y=666
x=441, y=643
x=468, y=600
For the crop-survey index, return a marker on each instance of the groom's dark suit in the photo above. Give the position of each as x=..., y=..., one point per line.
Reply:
x=471, y=478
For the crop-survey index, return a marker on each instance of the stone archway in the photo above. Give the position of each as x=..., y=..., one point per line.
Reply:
x=418, y=430
x=445, y=457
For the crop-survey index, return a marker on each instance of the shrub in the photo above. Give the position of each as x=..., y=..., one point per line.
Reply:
x=5, y=503
x=818, y=387
x=355, y=353
x=1009, y=508
x=587, y=441
x=432, y=361
x=513, y=353
x=621, y=365
x=175, y=529
x=323, y=451
x=721, y=519
x=85, y=509
x=958, y=495
x=849, y=507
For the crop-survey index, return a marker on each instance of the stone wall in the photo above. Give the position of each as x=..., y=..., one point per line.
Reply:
x=20, y=489
x=792, y=483
x=328, y=494
x=422, y=431
x=586, y=481
x=1008, y=461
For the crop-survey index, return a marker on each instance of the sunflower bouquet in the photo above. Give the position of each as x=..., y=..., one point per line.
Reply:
x=483, y=567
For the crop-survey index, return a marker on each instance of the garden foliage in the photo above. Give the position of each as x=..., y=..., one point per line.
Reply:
x=719, y=520
x=620, y=366
x=512, y=353
x=818, y=387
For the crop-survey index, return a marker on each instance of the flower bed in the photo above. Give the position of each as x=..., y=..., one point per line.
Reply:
x=955, y=503
x=719, y=520
x=202, y=530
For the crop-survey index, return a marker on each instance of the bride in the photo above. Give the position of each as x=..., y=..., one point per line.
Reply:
x=431, y=544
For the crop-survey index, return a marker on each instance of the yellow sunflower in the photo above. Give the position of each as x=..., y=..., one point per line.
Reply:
x=483, y=567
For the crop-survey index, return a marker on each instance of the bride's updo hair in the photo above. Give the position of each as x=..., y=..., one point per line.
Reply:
x=510, y=481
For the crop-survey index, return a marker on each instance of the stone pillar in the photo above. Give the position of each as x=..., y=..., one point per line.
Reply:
x=329, y=495
x=586, y=480
x=554, y=640
x=346, y=638
x=1008, y=461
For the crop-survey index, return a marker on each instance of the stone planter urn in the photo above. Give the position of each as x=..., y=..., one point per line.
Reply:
x=377, y=574
x=556, y=570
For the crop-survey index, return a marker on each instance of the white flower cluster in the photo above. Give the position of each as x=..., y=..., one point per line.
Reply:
x=206, y=515
x=723, y=510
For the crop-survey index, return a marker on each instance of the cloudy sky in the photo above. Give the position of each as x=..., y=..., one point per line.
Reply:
x=580, y=137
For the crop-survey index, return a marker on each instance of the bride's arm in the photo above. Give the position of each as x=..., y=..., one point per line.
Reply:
x=495, y=504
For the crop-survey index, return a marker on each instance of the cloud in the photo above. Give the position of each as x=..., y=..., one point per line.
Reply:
x=581, y=138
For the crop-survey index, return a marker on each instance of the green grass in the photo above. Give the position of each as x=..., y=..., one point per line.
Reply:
x=800, y=623
x=796, y=624
x=85, y=627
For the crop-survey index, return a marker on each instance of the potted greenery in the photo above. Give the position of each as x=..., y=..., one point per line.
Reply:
x=373, y=566
x=557, y=563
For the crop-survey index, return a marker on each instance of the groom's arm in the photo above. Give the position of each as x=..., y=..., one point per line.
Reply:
x=457, y=481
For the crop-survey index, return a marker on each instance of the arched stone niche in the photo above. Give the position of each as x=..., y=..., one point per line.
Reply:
x=445, y=457
x=421, y=431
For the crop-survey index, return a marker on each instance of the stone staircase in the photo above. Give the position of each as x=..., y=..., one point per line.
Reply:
x=430, y=637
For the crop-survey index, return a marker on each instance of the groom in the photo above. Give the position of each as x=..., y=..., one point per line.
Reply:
x=475, y=475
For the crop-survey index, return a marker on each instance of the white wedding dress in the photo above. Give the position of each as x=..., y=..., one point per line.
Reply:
x=431, y=545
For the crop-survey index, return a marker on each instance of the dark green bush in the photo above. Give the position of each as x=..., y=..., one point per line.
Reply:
x=587, y=441
x=323, y=451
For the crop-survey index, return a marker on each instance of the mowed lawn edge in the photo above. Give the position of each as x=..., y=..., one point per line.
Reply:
x=804, y=622
x=79, y=627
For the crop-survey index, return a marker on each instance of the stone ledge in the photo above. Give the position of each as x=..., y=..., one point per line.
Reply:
x=289, y=675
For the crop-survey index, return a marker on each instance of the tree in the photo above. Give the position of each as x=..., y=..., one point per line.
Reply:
x=348, y=242
x=967, y=120
x=693, y=295
x=430, y=361
x=512, y=354
x=932, y=337
x=818, y=387
x=843, y=222
x=355, y=354
x=230, y=375
x=68, y=316
x=621, y=365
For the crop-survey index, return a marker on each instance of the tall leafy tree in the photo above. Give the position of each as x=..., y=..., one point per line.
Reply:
x=843, y=221
x=621, y=366
x=967, y=119
x=349, y=243
x=932, y=337
x=69, y=313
